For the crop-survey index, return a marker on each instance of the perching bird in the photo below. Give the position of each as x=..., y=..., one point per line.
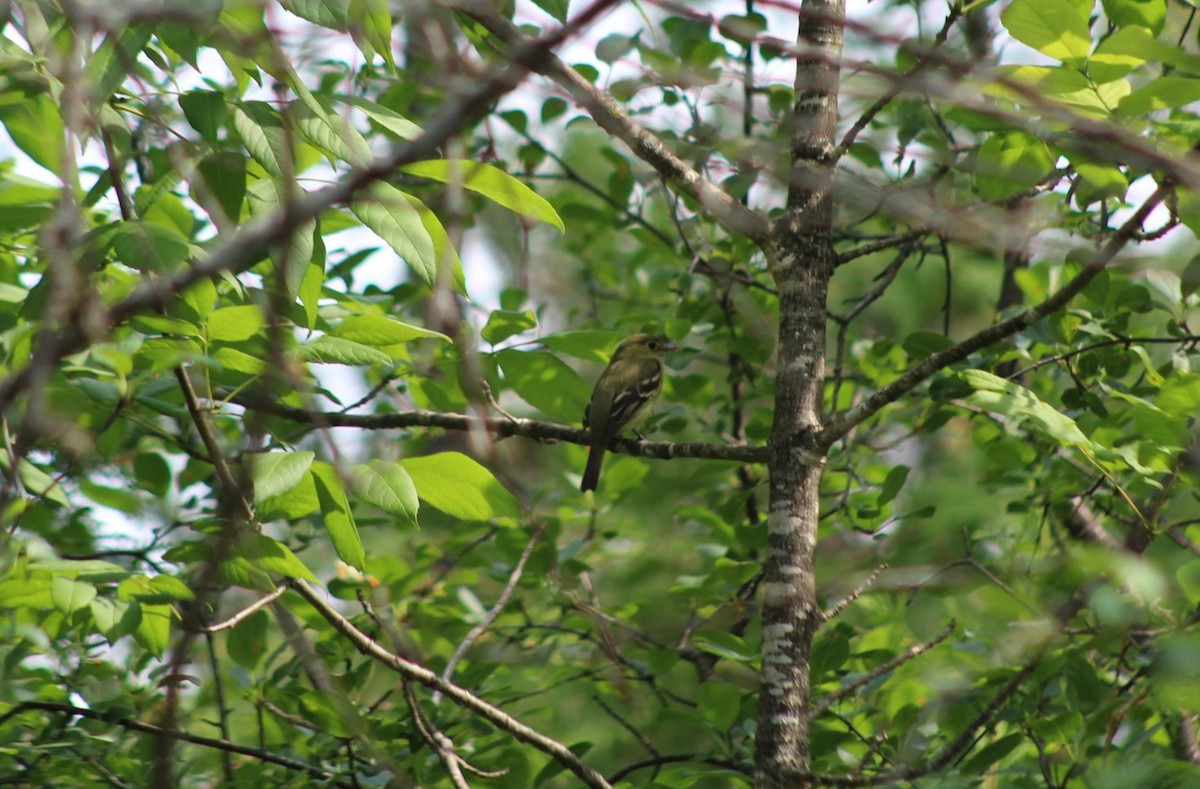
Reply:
x=631, y=382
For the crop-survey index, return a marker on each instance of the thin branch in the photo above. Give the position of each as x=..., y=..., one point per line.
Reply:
x=951, y=752
x=505, y=427
x=195, y=739
x=461, y=696
x=501, y=601
x=675, y=758
x=246, y=612
x=90, y=321
x=841, y=424
x=840, y=606
x=610, y=117
x=916, y=650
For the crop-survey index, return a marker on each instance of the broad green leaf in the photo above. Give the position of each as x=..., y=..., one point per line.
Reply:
x=239, y=361
x=147, y=246
x=389, y=487
x=381, y=331
x=114, y=618
x=296, y=503
x=247, y=641
x=96, y=569
x=154, y=627
x=389, y=120
x=338, y=517
x=1055, y=28
x=387, y=211
x=234, y=324
x=371, y=28
x=555, y=8
x=460, y=487
x=590, y=345
x=69, y=595
x=206, y=112
x=269, y=556
x=1161, y=93
x=34, y=124
x=1010, y=162
x=170, y=587
x=261, y=129
x=275, y=473
x=502, y=324
x=1132, y=46
x=892, y=484
x=32, y=593
x=161, y=324
x=1099, y=182
x=220, y=187
x=491, y=182
x=545, y=382
x=1149, y=14
x=338, y=350
x=997, y=395
x=448, y=262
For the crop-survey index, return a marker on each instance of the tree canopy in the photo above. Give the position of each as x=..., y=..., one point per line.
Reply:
x=302, y=301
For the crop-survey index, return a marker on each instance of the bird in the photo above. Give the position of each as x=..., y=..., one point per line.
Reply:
x=631, y=382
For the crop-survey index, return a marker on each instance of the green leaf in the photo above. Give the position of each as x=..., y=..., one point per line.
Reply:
x=371, y=28
x=1009, y=163
x=154, y=627
x=222, y=176
x=1149, y=14
x=502, y=324
x=69, y=595
x=147, y=246
x=239, y=361
x=387, y=211
x=337, y=350
x=591, y=345
x=892, y=484
x=115, y=618
x=390, y=121
x=389, y=487
x=339, y=519
x=269, y=556
x=34, y=124
x=545, y=382
x=32, y=593
x=247, y=641
x=380, y=331
x=995, y=394
x=261, y=129
x=555, y=8
x=1160, y=93
x=96, y=569
x=275, y=473
x=719, y=703
x=234, y=324
x=1055, y=28
x=206, y=111
x=460, y=487
x=491, y=182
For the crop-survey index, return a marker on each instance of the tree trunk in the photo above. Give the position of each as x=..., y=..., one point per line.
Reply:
x=800, y=254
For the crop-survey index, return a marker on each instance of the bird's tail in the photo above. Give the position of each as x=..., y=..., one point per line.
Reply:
x=591, y=472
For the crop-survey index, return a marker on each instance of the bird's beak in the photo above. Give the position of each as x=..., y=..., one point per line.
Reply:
x=670, y=346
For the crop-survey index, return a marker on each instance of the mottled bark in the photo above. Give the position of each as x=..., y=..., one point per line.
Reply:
x=801, y=256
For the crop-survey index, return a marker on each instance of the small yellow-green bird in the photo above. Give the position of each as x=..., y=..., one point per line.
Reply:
x=631, y=382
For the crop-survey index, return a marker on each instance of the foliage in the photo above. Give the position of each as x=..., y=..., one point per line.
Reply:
x=255, y=372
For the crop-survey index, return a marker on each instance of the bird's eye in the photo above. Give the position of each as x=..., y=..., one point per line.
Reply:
x=654, y=345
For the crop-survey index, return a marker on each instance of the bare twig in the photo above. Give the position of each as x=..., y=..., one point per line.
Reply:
x=461, y=696
x=840, y=606
x=916, y=650
x=246, y=612
x=195, y=739
x=501, y=601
